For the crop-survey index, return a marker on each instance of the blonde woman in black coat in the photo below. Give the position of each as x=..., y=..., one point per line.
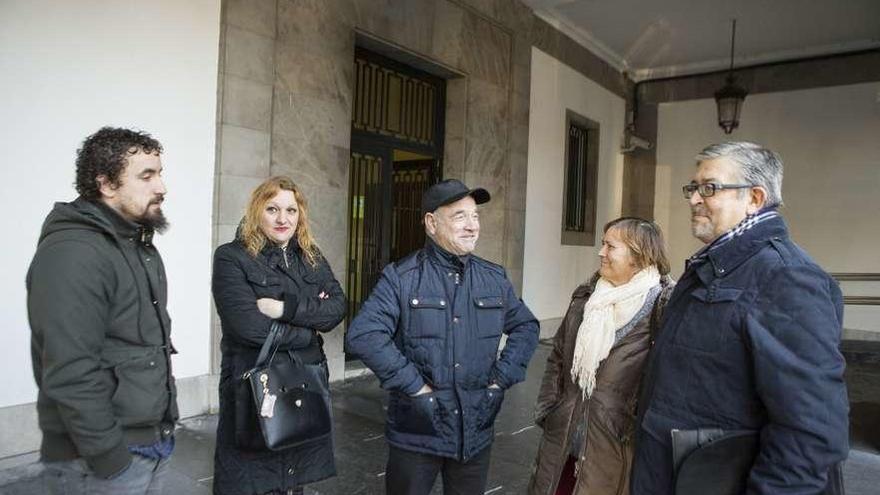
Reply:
x=272, y=271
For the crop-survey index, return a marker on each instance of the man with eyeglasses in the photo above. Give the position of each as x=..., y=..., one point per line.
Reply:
x=748, y=352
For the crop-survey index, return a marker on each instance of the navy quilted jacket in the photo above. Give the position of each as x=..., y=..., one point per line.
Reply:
x=438, y=319
x=750, y=341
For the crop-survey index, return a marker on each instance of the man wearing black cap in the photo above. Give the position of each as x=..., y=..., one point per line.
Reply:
x=430, y=330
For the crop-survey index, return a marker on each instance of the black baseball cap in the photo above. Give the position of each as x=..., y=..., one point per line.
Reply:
x=450, y=191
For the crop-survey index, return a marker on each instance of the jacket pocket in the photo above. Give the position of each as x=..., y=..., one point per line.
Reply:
x=710, y=321
x=265, y=284
x=141, y=395
x=416, y=415
x=489, y=407
x=490, y=315
x=427, y=316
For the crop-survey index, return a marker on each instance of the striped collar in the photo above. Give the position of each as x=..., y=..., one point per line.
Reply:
x=747, y=223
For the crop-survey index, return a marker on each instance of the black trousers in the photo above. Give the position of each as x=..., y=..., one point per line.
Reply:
x=413, y=473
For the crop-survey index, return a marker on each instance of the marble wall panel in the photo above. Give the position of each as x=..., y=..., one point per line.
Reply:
x=447, y=41
x=544, y=36
x=497, y=186
x=516, y=224
x=247, y=103
x=519, y=109
x=368, y=15
x=257, y=16
x=491, y=247
x=514, y=256
x=515, y=275
x=516, y=198
x=522, y=47
x=456, y=107
x=234, y=193
x=487, y=113
x=327, y=209
x=453, y=158
x=410, y=24
x=518, y=144
x=334, y=245
x=492, y=216
x=249, y=55
x=522, y=81
x=488, y=51
x=485, y=8
x=311, y=119
x=515, y=15
x=484, y=158
x=302, y=70
x=320, y=25
x=244, y=152
x=310, y=164
x=512, y=14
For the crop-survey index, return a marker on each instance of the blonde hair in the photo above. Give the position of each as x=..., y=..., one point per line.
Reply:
x=645, y=239
x=252, y=235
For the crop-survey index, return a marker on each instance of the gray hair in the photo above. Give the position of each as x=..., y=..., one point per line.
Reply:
x=758, y=166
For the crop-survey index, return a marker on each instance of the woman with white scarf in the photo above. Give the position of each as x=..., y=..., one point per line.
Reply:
x=588, y=398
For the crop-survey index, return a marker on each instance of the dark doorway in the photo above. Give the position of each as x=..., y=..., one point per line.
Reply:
x=396, y=153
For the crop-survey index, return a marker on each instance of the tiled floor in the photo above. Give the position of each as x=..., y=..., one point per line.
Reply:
x=361, y=448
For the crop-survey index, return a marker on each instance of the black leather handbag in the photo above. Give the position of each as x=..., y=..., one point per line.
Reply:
x=291, y=399
x=711, y=460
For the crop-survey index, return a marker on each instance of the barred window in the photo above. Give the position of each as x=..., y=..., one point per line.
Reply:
x=581, y=170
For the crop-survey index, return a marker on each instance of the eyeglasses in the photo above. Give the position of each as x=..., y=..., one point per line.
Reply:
x=708, y=189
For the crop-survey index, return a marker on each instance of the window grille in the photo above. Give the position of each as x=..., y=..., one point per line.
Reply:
x=581, y=171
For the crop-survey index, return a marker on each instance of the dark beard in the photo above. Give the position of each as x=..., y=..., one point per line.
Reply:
x=155, y=221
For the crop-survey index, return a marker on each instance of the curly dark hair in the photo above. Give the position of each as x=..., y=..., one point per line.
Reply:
x=106, y=153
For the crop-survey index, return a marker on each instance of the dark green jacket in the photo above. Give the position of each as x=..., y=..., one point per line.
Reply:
x=99, y=337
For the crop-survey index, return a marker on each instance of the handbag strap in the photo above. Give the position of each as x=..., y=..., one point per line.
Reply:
x=270, y=345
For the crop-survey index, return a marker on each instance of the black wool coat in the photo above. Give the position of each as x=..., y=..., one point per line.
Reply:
x=240, y=279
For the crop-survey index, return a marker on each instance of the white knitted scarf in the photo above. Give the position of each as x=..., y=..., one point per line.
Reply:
x=608, y=309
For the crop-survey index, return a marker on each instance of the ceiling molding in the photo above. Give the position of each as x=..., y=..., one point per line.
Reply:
x=583, y=38
x=716, y=65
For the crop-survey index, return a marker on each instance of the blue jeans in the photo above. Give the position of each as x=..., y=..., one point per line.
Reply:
x=143, y=476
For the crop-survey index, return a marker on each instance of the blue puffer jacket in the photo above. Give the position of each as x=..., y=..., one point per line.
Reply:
x=750, y=342
x=436, y=318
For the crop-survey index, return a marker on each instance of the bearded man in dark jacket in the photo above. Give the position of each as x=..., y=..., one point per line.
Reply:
x=430, y=330
x=100, y=333
x=748, y=348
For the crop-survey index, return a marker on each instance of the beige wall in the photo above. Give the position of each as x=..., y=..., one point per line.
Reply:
x=828, y=140
x=69, y=68
x=552, y=271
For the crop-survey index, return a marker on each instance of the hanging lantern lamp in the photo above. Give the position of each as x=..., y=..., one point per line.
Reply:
x=731, y=96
